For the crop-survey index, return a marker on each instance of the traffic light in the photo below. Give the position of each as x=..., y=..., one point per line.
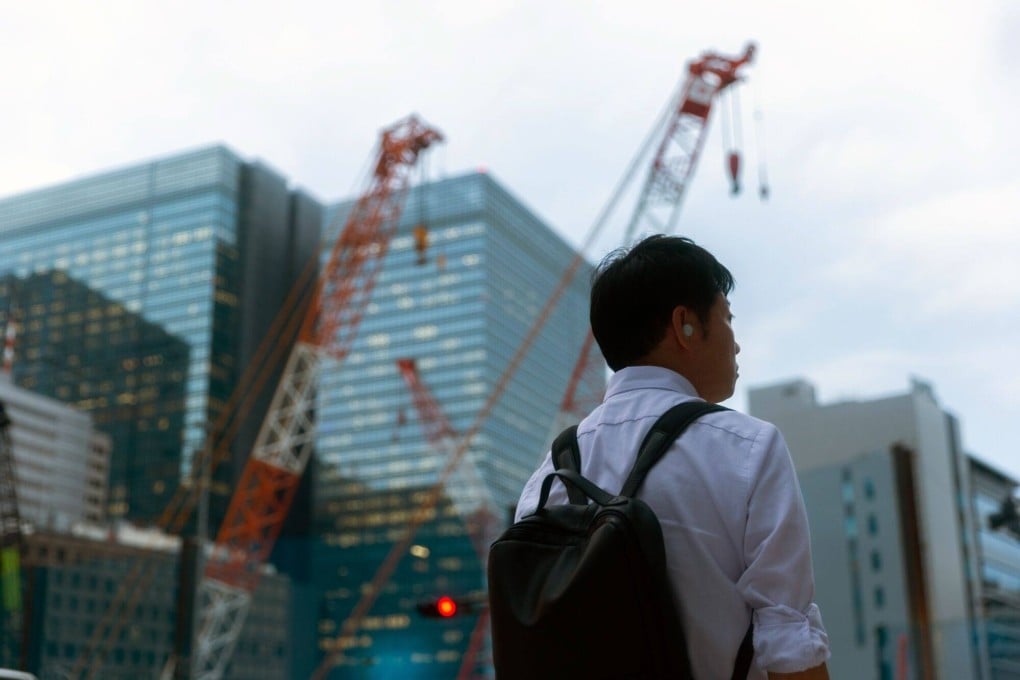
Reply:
x=449, y=606
x=440, y=608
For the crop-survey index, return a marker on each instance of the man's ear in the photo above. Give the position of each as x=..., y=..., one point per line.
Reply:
x=682, y=326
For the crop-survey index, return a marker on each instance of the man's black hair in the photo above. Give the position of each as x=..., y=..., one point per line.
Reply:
x=634, y=293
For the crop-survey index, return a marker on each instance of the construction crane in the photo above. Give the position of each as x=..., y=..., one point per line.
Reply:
x=321, y=323
x=465, y=488
x=270, y=478
x=11, y=541
x=662, y=195
x=677, y=119
x=677, y=155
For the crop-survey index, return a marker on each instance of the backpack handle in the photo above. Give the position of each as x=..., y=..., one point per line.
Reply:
x=589, y=489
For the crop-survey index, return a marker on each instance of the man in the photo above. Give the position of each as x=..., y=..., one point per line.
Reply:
x=726, y=495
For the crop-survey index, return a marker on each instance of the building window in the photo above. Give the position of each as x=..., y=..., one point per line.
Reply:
x=876, y=561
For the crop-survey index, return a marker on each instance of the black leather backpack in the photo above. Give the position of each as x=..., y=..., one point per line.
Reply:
x=581, y=590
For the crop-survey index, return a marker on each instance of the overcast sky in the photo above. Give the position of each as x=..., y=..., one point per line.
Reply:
x=889, y=248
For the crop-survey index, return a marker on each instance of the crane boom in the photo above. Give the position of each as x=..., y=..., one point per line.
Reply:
x=677, y=156
x=662, y=195
x=284, y=442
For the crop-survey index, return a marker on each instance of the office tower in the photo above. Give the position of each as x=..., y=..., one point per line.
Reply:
x=203, y=247
x=886, y=487
x=457, y=296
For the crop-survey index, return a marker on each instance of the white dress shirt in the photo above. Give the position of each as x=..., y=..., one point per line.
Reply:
x=732, y=518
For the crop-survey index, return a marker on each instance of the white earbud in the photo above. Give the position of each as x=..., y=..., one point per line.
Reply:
x=688, y=330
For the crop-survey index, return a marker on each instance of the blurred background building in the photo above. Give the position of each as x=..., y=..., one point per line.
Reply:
x=61, y=460
x=907, y=566
x=83, y=348
x=467, y=273
x=997, y=528
x=142, y=293
x=72, y=580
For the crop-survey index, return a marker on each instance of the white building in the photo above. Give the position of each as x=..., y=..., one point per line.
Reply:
x=61, y=462
x=887, y=487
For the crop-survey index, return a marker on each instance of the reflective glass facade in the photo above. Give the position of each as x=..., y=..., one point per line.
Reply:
x=201, y=248
x=88, y=351
x=999, y=564
x=489, y=268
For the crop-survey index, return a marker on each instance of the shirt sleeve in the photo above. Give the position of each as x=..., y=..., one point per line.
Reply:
x=778, y=581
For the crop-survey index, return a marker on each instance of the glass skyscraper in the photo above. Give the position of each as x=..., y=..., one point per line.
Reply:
x=202, y=247
x=460, y=309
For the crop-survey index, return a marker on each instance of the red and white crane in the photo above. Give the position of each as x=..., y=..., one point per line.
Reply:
x=325, y=326
x=662, y=194
x=284, y=442
x=677, y=155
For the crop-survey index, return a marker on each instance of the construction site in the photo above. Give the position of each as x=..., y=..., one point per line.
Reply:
x=247, y=434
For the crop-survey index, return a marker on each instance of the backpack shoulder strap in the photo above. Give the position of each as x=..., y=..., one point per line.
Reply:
x=566, y=455
x=665, y=430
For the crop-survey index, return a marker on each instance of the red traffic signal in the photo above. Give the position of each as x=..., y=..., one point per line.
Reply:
x=446, y=606
x=440, y=608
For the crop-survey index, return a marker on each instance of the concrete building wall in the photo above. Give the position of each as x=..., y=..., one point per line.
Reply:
x=861, y=567
x=821, y=436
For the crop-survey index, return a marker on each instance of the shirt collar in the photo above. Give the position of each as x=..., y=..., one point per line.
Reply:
x=648, y=377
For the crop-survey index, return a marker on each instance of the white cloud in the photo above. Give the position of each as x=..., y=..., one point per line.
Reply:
x=957, y=253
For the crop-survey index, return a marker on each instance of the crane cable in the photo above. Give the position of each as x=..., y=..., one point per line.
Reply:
x=759, y=144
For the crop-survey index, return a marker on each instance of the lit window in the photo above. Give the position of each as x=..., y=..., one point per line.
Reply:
x=425, y=332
